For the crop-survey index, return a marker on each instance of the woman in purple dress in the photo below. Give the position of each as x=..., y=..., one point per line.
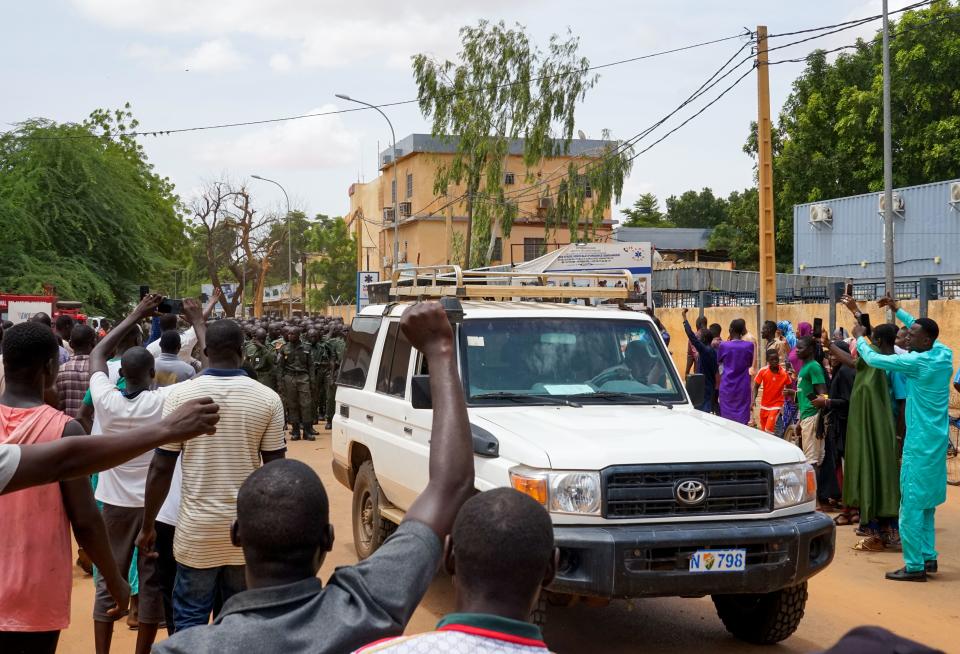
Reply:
x=735, y=357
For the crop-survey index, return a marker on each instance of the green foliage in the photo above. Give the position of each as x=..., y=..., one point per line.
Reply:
x=696, y=209
x=737, y=234
x=336, y=269
x=299, y=230
x=506, y=88
x=645, y=212
x=82, y=209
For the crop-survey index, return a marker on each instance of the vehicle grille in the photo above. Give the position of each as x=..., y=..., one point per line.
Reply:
x=649, y=491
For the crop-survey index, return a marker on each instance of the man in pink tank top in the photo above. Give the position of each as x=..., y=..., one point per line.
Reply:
x=35, y=549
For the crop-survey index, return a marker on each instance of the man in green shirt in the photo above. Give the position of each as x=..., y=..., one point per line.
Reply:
x=335, y=346
x=811, y=382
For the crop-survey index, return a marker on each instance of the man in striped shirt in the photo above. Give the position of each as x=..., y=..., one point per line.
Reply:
x=73, y=380
x=250, y=429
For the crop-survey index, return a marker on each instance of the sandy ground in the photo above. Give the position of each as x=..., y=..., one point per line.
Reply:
x=851, y=592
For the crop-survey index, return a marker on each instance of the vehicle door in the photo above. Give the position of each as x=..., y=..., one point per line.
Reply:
x=398, y=459
x=350, y=423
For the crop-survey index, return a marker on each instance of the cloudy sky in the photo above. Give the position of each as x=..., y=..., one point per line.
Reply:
x=185, y=63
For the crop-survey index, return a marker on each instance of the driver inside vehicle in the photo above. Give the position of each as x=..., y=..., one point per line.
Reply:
x=640, y=365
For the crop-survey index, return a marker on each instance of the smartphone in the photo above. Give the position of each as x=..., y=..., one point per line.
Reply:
x=143, y=291
x=818, y=328
x=168, y=305
x=848, y=289
x=865, y=321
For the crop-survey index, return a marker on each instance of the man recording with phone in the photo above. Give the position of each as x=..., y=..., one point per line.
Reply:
x=169, y=311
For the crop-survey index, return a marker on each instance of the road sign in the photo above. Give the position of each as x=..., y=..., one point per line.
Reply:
x=364, y=279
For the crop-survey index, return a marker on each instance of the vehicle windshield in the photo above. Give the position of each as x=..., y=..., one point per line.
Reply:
x=591, y=360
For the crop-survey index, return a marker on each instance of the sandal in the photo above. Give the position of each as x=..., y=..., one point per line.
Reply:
x=872, y=544
x=844, y=519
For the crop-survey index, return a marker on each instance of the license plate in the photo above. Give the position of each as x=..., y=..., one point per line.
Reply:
x=718, y=560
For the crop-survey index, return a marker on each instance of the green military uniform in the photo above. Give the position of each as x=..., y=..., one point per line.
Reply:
x=263, y=359
x=276, y=344
x=296, y=361
x=335, y=348
x=317, y=377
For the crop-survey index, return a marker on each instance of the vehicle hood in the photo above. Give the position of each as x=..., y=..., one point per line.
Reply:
x=596, y=436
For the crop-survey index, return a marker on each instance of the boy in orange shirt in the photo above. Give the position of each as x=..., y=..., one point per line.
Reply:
x=773, y=378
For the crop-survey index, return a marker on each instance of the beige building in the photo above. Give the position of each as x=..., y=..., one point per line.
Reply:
x=429, y=222
x=365, y=220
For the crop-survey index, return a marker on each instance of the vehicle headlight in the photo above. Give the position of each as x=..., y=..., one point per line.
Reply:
x=576, y=492
x=793, y=484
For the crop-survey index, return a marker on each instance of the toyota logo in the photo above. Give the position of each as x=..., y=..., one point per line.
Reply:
x=691, y=492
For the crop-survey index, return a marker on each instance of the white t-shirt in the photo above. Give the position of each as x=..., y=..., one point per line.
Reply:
x=124, y=485
x=171, y=506
x=9, y=462
x=187, y=340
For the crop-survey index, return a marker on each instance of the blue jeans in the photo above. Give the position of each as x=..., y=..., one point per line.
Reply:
x=197, y=589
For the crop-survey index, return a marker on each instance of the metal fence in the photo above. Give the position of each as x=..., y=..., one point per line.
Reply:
x=947, y=289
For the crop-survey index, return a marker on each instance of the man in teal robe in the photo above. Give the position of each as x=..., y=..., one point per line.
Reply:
x=928, y=368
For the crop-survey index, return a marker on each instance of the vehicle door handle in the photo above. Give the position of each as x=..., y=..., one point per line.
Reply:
x=408, y=431
x=369, y=418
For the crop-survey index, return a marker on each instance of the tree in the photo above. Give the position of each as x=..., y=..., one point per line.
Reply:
x=331, y=241
x=828, y=142
x=646, y=213
x=738, y=234
x=506, y=88
x=229, y=237
x=83, y=210
x=693, y=209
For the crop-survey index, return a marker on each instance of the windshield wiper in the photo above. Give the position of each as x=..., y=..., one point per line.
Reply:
x=520, y=397
x=629, y=397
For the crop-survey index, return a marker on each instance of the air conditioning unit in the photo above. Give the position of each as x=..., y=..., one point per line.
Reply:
x=821, y=215
x=402, y=257
x=387, y=159
x=955, y=194
x=387, y=261
x=405, y=209
x=545, y=203
x=898, y=205
x=388, y=214
x=509, y=179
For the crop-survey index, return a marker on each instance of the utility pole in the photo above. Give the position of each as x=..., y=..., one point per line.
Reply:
x=768, y=261
x=358, y=216
x=887, y=166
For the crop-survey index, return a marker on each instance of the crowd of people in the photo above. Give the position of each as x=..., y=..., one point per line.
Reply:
x=223, y=536
x=869, y=409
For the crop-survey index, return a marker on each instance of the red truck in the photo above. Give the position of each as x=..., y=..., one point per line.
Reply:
x=19, y=308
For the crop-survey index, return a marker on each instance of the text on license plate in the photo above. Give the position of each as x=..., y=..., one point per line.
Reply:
x=718, y=560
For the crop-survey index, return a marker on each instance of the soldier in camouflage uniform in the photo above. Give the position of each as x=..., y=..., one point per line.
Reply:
x=318, y=350
x=296, y=361
x=262, y=358
x=334, y=346
x=277, y=341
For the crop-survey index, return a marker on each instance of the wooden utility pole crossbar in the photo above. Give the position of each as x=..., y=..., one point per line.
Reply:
x=768, y=261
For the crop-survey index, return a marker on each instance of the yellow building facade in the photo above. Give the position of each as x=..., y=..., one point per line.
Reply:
x=433, y=226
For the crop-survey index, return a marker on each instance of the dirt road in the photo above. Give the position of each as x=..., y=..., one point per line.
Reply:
x=851, y=592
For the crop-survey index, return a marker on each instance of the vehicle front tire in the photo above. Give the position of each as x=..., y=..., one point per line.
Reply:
x=369, y=528
x=763, y=619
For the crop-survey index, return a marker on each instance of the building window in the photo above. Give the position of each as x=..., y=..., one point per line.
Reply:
x=508, y=179
x=497, y=250
x=393, y=190
x=587, y=191
x=409, y=185
x=533, y=248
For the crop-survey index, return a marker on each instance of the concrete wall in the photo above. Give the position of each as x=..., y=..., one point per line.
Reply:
x=365, y=203
x=945, y=312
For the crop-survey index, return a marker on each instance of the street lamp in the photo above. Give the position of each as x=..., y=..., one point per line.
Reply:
x=289, y=243
x=396, y=186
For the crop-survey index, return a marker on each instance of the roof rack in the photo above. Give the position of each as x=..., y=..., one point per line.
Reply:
x=450, y=280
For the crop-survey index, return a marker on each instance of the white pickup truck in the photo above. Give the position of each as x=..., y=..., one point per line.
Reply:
x=583, y=409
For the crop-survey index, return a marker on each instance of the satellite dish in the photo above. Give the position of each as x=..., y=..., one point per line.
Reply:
x=583, y=137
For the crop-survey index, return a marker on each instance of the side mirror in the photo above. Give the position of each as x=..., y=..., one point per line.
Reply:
x=420, y=392
x=696, y=388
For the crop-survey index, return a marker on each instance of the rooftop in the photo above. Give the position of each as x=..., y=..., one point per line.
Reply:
x=414, y=143
x=666, y=238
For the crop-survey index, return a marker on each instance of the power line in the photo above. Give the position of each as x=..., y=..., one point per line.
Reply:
x=852, y=23
x=248, y=123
